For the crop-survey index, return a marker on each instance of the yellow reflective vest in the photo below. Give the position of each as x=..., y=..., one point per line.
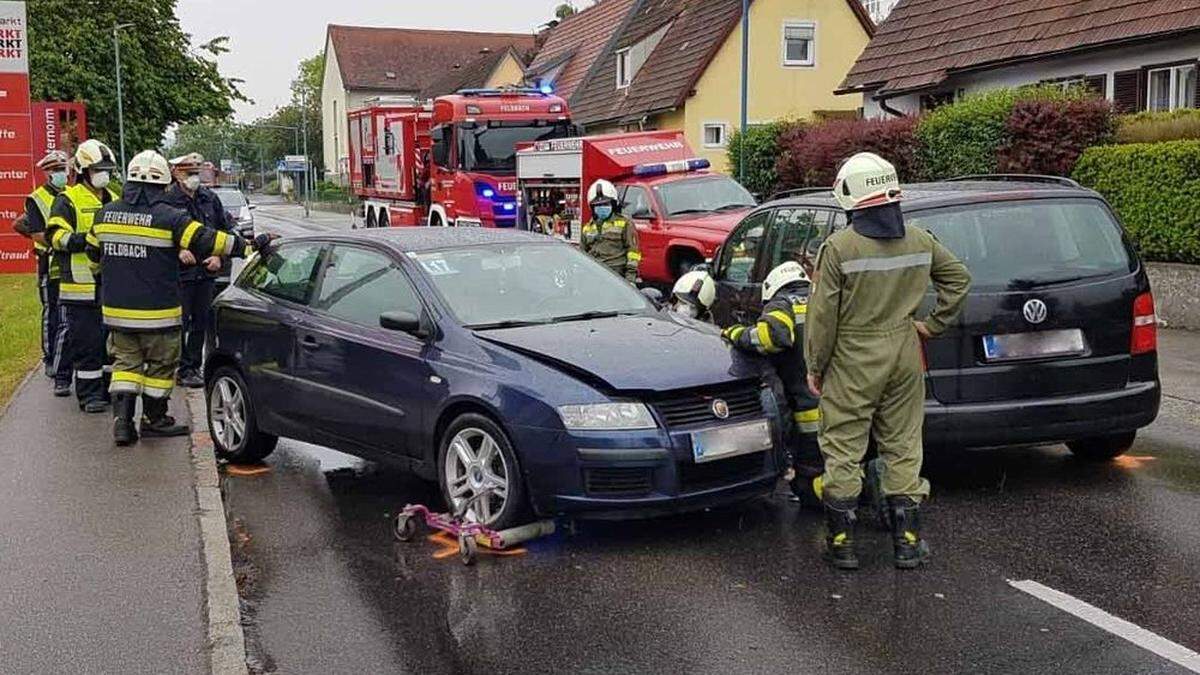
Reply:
x=71, y=219
x=43, y=199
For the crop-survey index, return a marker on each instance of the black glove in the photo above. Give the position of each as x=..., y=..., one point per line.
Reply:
x=262, y=243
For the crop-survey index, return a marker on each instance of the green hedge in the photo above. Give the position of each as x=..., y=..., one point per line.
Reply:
x=1156, y=127
x=1155, y=188
x=762, y=148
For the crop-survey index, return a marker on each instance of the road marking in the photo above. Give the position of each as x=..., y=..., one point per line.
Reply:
x=1176, y=653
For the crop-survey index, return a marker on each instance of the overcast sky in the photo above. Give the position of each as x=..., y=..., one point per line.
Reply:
x=269, y=37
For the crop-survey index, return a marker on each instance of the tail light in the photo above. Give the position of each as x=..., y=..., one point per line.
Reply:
x=1145, y=326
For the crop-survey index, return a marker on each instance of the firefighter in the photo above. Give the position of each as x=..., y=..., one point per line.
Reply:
x=693, y=295
x=863, y=348
x=71, y=218
x=779, y=335
x=37, y=214
x=608, y=236
x=136, y=243
x=196, y=281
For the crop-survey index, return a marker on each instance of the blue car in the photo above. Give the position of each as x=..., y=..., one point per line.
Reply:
x=518, y=373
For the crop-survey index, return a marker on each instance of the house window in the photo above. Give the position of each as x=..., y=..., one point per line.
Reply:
x=799, y=43
x=715, y=135
x=1172, y=88
x=624, y=69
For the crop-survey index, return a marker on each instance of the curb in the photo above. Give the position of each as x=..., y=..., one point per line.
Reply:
x=223, y=617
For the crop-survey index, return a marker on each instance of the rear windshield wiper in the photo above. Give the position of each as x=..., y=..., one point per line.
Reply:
x=1038, y=283
x=732, y=206
x=685, y=211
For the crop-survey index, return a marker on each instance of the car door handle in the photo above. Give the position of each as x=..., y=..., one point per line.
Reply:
x=310, y=342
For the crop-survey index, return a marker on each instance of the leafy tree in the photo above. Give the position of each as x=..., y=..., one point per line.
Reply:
x=165, y=81
x=306, y=99
x=564, y=10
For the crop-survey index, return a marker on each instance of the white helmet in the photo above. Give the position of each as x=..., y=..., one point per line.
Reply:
x=55, y=159
x=789, y=272
x=92, y=154
x=866, y=180
x=696, y=288
x=602, y=190
x=149, y=167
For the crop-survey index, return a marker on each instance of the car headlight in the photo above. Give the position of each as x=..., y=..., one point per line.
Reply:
x=606, y=416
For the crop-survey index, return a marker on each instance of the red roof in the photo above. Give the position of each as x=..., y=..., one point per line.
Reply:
x=409, y=60
x=473, y=75
x=577, y=42
x=923, y=41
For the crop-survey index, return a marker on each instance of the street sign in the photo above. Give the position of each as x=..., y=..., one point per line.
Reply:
x=298, y=163
x=16, y=144
x=226, y=165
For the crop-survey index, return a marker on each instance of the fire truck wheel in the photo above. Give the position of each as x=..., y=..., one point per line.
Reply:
x=371, y=218
x=435, y=220
x=383, y=219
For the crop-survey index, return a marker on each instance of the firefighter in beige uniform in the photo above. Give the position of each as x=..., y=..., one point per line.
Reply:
x=609, y=237
x=863, y=349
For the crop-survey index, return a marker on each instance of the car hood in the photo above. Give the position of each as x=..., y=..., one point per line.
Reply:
x=723, y=221
x=631, y=353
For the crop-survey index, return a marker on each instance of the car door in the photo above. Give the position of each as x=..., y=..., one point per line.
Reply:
x=738, y=271
x=257, y=321
x=368, y=385
x=796, y=235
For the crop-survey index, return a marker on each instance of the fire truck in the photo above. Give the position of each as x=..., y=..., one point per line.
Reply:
x=450, y=161
x=682, y=211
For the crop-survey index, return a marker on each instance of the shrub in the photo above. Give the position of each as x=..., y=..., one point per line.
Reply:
x=811, y=157
x=1155, y=188
x=1156, y=127
x=761, y=151
x=331, y=192
x=272, y=187
x=1048, y=136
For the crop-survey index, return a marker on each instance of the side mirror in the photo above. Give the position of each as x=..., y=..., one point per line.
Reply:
x=653, y=295
x=404, y=322
x=252, y=206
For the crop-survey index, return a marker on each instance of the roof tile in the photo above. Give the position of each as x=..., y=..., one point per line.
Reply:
x=581, y=38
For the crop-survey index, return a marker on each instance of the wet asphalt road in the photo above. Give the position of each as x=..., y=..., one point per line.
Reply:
x=741, y=589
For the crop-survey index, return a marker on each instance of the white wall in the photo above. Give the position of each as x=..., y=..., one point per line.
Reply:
x=333, y=115
x=1105, y=62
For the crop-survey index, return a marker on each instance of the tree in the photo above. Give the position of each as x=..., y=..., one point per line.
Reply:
x=165, y=81
x=564, y=10
x=306, y=99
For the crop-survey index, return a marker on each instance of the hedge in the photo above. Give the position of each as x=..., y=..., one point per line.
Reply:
x=762, y=144
x=812, y=155
x=1155, y=188
x=1156, y=127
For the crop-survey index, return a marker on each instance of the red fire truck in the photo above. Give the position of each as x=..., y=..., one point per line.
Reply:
x=451, y=161
x=682, y=211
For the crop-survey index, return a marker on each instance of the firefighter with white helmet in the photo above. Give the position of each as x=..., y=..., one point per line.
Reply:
x=71, y=218
x=779, y=335
x=863, y=351
x=609, y=237
x=136, y=243
x=693, y=295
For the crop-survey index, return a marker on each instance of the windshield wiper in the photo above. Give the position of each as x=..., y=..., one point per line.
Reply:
x=585, y=316
x=680, y=213
x=507, y=323
x=1053, y=281
x=733, y=206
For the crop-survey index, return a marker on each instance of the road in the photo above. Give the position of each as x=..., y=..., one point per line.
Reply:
x=742, y=589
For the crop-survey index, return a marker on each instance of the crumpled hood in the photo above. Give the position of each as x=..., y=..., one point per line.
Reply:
x=723, y=221
x=631, y=353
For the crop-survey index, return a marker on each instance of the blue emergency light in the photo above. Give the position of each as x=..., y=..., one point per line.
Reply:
x=678, y=166
x=546, y=89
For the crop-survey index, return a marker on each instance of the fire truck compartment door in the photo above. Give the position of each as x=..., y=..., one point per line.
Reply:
x=551, y=164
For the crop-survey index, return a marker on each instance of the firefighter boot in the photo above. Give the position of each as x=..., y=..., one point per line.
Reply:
x=840, y=520
x=156, y=423
x=910, y=550
x=124, y=431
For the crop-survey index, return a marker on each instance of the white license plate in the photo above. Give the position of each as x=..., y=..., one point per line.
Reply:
x=738, y=439
x=1042, y=344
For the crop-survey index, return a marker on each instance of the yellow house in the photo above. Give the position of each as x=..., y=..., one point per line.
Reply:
x=676, y=64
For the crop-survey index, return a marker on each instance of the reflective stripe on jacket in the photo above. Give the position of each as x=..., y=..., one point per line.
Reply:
x=42, y=200
x=71, y=218
x=614, y=243
x=779, y=335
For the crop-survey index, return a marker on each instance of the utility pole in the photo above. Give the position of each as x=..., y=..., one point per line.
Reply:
x=307, y=162
x=120, y=97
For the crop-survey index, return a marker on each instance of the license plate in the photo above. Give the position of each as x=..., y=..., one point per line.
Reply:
x=1041, y=344
x=739, y=439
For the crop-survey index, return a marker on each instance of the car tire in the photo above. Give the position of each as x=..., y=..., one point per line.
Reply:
x=1102, y=448
x=370, y=220
x=232, y=422
x=435, y=220
x=468, y=464
x=383, y=220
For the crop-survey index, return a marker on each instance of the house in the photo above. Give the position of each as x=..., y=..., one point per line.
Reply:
x=1141, y=54
x=363, y=63
x=574, y=47
x=676, y=64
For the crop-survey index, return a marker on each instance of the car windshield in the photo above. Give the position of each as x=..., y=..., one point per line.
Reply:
x=491, y=147
x=231, y=198
x=703, y=195
x=1030, y=244
x=514, y=284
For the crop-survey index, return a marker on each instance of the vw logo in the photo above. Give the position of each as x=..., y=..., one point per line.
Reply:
x=1035, y=311
x=720, y=408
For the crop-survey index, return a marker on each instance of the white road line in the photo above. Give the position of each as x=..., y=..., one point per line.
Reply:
x=1176, y=653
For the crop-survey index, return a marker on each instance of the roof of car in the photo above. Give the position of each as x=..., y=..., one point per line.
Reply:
x=949, y=193
x=431, y=238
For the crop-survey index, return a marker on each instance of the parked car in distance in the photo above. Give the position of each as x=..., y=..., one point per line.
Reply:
x=1057, y=341
x=239, y=208
x=495, y=362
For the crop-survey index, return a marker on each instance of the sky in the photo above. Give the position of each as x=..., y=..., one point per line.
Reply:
x=268, y=38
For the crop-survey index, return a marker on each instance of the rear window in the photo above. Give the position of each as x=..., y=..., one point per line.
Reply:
x=1030, y=244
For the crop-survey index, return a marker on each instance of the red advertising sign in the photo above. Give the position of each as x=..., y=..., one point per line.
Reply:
x=16, y=160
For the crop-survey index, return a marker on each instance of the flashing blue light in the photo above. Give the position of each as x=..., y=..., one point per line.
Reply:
x=489, y=193
x=510, y=206
x=679, y=166
x=546, y=89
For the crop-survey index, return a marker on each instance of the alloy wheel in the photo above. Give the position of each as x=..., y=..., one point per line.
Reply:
x=474, y=465
x=228, y=417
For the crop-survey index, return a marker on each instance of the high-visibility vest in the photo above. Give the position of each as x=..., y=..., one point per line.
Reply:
x=78, y=283
x=43, y=198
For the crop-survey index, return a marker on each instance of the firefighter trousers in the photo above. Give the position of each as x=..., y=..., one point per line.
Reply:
x=196, y=297
x=874, y=387
x=144, y=362
x=54, y=330
x=85, y=347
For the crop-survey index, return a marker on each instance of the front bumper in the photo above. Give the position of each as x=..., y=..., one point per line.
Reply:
x=1042, y=420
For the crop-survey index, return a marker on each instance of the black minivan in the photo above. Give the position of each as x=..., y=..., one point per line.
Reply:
x=1058, y=339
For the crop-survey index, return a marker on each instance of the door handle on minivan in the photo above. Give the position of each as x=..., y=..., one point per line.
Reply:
x=310, y=342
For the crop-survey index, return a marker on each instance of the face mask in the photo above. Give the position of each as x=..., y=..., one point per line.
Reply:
x=602, y=212
x=100, y=179
x=192, y=183
x=58, y=179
